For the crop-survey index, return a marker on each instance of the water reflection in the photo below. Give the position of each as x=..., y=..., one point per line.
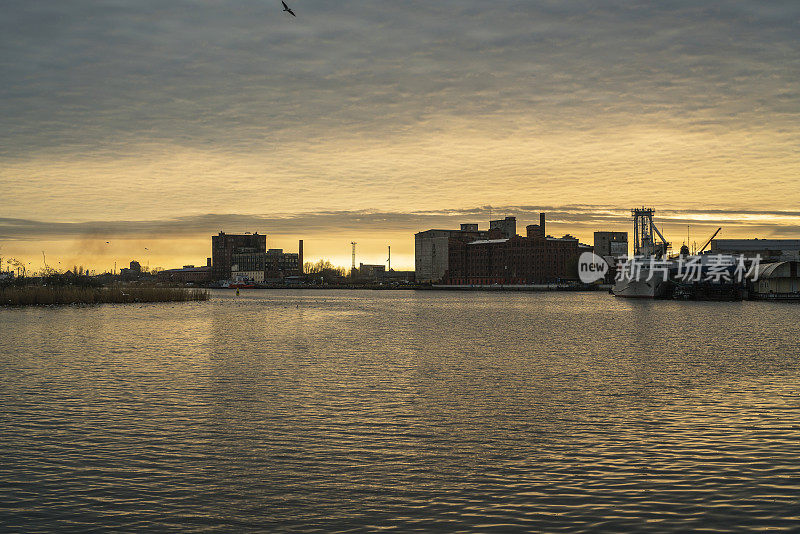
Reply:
x=339, y=411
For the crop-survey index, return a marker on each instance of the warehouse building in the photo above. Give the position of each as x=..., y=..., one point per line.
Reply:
x=770, y=250
x=779, y=280
x=614, y=244
x=185, y=275
x=377, y=273
x=497, y=256
x=225, y=246
x=533, y=259
x=241, y=257
x=432, y=249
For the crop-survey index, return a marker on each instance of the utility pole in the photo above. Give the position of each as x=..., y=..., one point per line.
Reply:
x=353, y=268
x=390, y=257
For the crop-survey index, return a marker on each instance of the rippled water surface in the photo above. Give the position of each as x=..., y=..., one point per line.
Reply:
x=400, y=410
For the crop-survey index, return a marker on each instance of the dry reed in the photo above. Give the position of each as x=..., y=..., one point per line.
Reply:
x=48, y=295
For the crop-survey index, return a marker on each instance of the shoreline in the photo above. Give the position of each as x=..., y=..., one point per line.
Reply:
x=509, y=287
x=77, y=295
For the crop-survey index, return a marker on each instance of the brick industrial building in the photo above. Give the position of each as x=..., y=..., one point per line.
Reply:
x=245, y=256
x=187, y=274
x=497, y=256
x=272, y=265
x=431, y=250
x=614, y=244
x=507, y=258
x=378, y=274
x=224, y=246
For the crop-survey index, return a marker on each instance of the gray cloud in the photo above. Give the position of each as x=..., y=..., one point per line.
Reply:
x=126, y=118
x=79, y=75
x=579, y=219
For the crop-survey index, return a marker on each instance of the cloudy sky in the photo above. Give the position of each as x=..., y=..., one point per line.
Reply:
x=155, y=124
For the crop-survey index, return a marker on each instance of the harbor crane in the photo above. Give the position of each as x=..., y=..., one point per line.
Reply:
x=645, y=232
x=710, y=239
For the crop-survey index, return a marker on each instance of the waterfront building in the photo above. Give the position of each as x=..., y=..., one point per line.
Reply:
x=614, y=244
x=186, y=274
x=534, y=259
x=501, y=259
x=779, y=280
x=225, y=246
x=770, y=250
x=377, y=273
x=272, y=265
x=496, y=256
x=279, y=264
x=248, y=266
x=133, y=272
x=401, y=277
x=431, y=250
x=506, y=227
x=246, y=257
x=371, y=273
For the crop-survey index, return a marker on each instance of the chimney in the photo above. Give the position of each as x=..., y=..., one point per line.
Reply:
x=541, y=223
x=300, y=254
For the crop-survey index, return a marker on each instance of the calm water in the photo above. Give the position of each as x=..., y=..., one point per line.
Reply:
x=409, y=411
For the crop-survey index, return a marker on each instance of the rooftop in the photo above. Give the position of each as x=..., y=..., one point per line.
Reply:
x=189, y=269
x=485, y=241
x=756, y=244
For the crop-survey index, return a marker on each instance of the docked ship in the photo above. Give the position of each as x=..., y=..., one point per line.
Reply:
x=641, y=288
x=639, y=281
x=652, y=273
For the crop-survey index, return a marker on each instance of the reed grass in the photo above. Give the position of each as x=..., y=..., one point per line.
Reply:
x=49, y=295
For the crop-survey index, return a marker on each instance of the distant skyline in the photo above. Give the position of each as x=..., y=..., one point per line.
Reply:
x=369, y=121
x=187, y=240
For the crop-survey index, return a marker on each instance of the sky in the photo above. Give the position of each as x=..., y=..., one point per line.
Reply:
x=130, y=125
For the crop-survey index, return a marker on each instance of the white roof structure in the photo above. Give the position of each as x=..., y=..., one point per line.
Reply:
x=485, y=241
x=780, y=269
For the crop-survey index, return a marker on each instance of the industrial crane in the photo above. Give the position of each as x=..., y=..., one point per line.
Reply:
x=709, y=241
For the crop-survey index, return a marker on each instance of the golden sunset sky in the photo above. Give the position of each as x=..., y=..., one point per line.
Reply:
x=152, y=124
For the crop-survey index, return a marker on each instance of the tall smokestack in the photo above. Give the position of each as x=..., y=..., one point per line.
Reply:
x=300, y=254
x=541, y=223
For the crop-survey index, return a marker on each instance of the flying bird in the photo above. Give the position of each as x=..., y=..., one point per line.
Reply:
x=286, y=8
